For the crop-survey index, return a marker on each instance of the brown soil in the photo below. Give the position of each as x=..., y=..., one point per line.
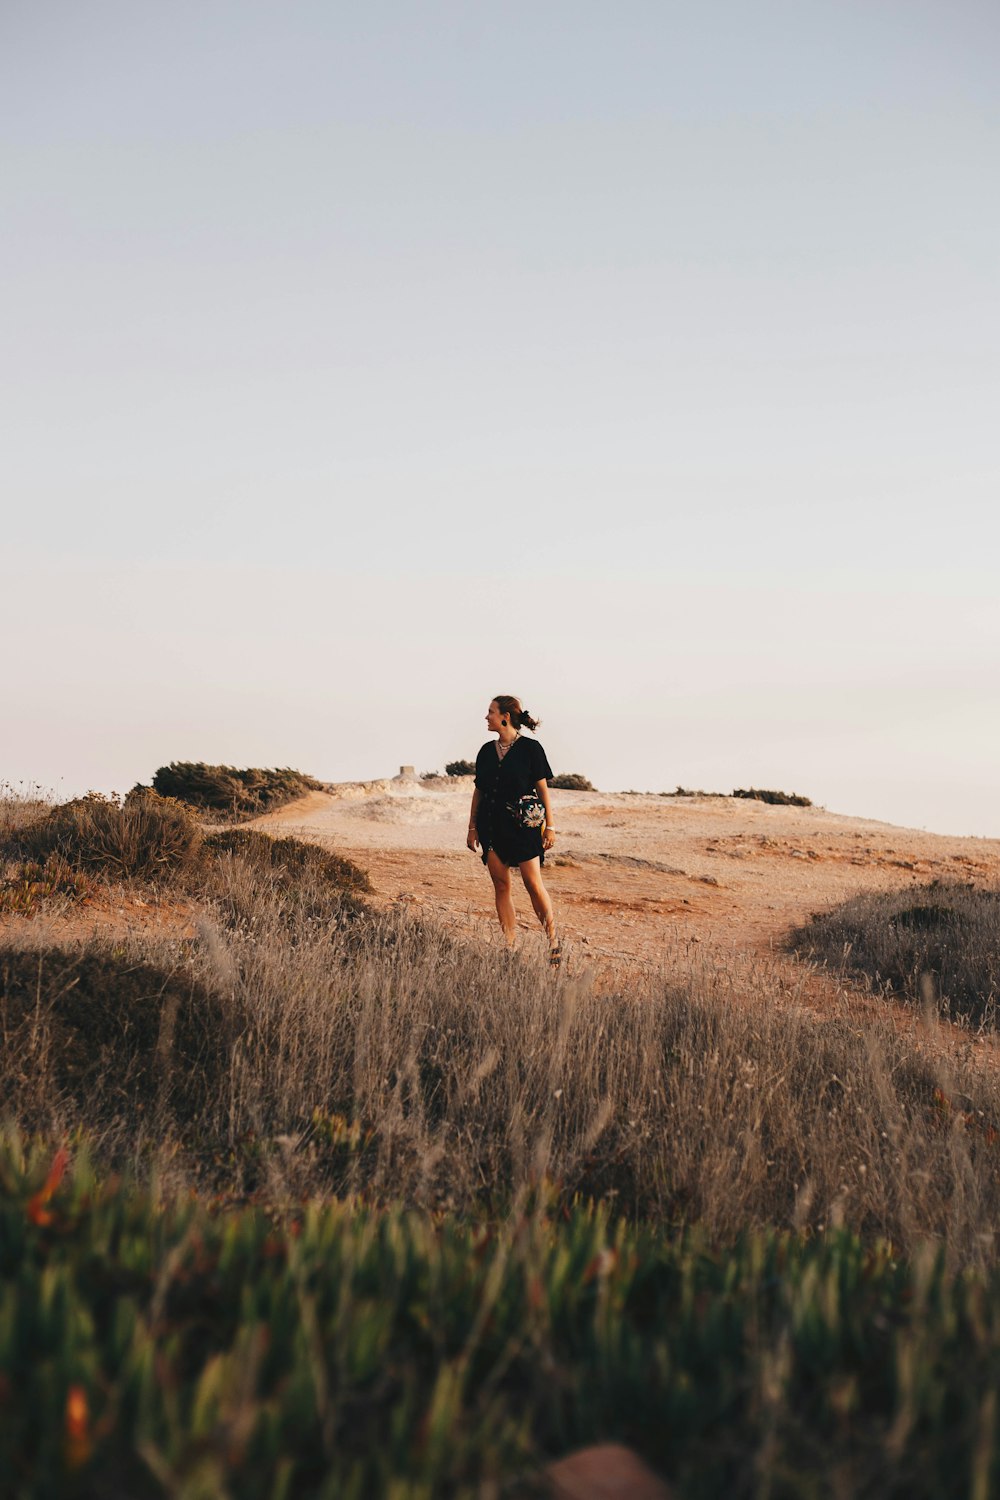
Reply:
x=632, y=873
x=109, y=912
x=638, y=880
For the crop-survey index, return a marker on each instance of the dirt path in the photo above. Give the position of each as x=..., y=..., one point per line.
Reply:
x=639, y=879
x=632, y=873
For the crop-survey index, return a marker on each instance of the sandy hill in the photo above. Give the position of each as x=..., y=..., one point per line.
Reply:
x=632, y=873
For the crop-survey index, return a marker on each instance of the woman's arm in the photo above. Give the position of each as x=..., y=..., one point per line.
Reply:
x=549, y=833
x=472, y=838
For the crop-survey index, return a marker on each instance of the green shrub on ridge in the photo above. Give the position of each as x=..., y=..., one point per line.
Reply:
x=231, y=791
x=572, y=781
x=776, y=799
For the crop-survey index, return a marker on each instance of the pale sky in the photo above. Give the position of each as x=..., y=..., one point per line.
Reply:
x=362, y=361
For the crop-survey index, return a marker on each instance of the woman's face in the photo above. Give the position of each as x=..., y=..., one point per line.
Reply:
x=493, y=717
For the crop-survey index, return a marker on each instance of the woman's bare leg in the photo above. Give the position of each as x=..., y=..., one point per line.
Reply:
x=500, y=875
x=531, y=874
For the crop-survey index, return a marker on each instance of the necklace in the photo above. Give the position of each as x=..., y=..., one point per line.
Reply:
x=502, y=748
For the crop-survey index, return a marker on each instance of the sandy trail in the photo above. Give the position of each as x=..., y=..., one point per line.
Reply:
x=640, y=880
x=632, y=872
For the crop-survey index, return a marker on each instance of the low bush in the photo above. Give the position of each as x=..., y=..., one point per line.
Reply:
x=277, y=889
x=290, y=859
x=683, y=791
x=61, y=851
x=229, y=791
x=460, y=768
x=940, y=943
x=145, y=836
x=99, y=1035
x=572, y=781
x=777, y=799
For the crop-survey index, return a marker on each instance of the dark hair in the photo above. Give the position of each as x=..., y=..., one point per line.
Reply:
x=517, y=715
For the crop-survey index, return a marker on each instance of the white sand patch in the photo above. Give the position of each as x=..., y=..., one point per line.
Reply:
x=411, y=806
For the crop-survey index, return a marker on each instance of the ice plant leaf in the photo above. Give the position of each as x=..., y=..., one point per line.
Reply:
x=77, y=1427
x=37, y=1211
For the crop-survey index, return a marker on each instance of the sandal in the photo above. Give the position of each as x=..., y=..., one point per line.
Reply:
x=555, y=955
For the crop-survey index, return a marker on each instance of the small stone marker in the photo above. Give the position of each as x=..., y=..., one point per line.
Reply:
x=605, y=1472
x=406, y=771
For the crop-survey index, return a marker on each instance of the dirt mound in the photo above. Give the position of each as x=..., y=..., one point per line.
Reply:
x=404, y=807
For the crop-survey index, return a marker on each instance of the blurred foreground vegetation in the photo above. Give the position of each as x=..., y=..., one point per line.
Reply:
x=153, y=1347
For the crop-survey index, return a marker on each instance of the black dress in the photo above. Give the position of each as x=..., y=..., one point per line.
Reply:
x=501, y=782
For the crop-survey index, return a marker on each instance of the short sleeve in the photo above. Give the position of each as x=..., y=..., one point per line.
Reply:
x=481, y=780
x=541, y=770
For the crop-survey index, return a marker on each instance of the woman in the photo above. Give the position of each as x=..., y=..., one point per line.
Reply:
x=506, y=820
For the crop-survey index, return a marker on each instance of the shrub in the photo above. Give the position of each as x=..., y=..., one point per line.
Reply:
x=145, y=836
x=683, y=791
x=778, y=799
x=572, y=781
x=289, y=857
x=460, y=768
x=950, y=936
x=225, y=789
x=105, y=1033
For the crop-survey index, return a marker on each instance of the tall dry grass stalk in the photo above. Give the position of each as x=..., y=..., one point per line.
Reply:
x=379, y=1054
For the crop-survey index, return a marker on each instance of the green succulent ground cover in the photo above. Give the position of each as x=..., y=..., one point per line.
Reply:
x=165, y=1349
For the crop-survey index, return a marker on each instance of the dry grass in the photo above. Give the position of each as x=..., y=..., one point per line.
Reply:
x=353, y=1052
x=303, y=1045
x=34, y=874
x=20, y=807
x=145, y=836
